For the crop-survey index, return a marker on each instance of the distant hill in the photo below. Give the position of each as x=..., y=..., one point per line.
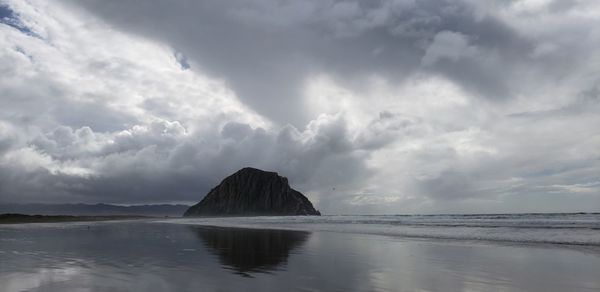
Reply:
x=160, y=210
x=21, y=218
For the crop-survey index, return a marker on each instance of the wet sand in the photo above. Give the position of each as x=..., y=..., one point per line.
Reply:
x=150, y=256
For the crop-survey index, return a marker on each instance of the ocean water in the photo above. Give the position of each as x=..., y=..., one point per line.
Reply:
x=526, y=252
x=573, y=229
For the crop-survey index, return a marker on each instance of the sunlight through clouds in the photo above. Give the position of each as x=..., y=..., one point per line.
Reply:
x=393, y=106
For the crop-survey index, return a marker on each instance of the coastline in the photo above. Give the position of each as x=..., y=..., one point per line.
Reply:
x=574, y=231
x=11, y=218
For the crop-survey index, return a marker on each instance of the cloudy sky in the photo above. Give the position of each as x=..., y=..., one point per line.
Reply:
x=399, y=106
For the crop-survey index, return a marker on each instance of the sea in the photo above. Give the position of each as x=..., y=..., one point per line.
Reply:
x=474, y=252
x=575, y=229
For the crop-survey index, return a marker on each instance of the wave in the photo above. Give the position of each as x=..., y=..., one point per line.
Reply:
x=580, y=229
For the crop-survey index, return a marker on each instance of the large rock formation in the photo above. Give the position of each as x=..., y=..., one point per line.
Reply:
x=253, y=192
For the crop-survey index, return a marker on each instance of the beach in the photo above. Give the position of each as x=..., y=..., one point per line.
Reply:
x=331, y=253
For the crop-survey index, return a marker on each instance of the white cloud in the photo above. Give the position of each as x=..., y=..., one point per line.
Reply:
x=462, y=107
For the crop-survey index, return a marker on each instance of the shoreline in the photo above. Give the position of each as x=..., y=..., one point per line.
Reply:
x=583, y=236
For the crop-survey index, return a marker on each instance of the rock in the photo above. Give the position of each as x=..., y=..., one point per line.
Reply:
x=253, y=192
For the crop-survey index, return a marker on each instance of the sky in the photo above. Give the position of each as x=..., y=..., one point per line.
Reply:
x=368, y=107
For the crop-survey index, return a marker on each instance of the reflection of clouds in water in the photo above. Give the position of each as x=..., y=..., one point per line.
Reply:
x=38, y=279
x=153, y=257
x=251, y=250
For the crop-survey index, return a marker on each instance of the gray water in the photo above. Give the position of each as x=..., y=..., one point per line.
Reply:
x=580, y=229
x=304, y=254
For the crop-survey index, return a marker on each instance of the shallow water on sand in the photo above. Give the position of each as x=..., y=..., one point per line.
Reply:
x=156, y=256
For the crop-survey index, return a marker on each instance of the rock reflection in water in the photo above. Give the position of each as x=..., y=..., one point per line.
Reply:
x=251, y=250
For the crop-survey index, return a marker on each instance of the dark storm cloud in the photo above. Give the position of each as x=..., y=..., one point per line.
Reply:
x=161, y=163
x=267, y=49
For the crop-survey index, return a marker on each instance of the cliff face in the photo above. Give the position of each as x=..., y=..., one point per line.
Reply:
x=253, y=192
